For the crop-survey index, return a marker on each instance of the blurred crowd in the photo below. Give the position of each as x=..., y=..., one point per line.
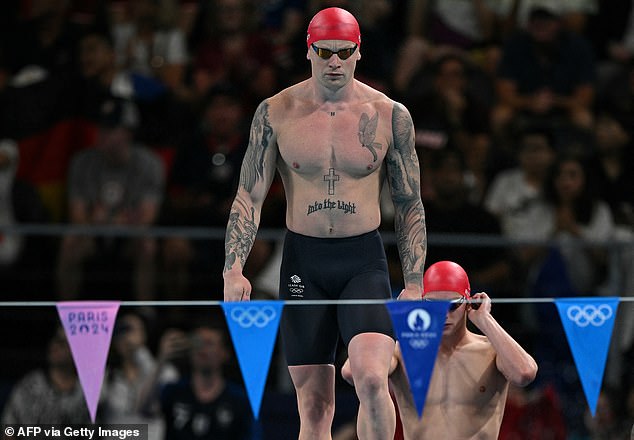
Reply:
x=137, y=113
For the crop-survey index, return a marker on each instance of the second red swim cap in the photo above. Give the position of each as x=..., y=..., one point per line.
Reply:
x=333, y=24
x=446, y=276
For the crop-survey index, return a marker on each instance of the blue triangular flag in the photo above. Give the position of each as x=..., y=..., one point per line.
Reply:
x=418, y=326
x=588, y=323
x=253, y=327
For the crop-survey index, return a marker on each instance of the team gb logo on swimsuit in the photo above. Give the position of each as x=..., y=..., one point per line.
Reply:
x=295, y=287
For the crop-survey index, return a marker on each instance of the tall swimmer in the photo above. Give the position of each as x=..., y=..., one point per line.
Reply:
x=334, y=141
x=472, y=372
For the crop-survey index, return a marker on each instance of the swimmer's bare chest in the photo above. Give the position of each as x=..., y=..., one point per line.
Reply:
x=332, y=165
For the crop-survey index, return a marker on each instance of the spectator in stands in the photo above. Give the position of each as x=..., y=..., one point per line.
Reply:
x=114, y=183
x=444, y=108
x=186, y=12
x=437, y=27
x=575, y=14
x=450, y=212
x=205, y=404
x=228, y=47
x=150, y=45
x=10, y=244
x=51, y=395
x=99, y=75
x=545, y=73
x=613, y=35
x=130, y=369
x=163, y=116
x=617, y=97
x=43, y=43
x=515, y=194
x=22, y=258
x=516, y=198
x=39, y=61
x=614, y=167
x=453, y=22
x=284, y=22
x=447, y=113
x=203, y=182
x=101, y=78
x=577, y=225
x=574, y=211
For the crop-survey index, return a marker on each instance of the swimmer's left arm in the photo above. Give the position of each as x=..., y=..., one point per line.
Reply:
x=512, y=360
x=403, y=177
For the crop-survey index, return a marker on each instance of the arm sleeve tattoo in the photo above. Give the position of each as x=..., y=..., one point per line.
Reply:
x=258, y=170
x=404, y=181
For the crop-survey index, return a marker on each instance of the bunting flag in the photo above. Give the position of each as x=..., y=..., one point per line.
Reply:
x=418, y=326
x=588, y=323
x=253, y=327
x=88, y=326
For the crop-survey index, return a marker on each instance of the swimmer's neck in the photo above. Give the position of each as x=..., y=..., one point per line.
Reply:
x=449, y=343
x=324, y=95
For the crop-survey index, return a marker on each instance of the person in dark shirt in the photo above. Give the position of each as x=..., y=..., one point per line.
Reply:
x=613, y=165
x=51, y=394
x=116, y=182
x=37, y=66
x=206, y=404
x=491, y=268
x=545, y=73
x=450, y=212
x=201, y=187
x=23, y=258
x=444, y=107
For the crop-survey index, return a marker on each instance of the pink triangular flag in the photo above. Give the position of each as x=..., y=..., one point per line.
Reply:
x=88, y=326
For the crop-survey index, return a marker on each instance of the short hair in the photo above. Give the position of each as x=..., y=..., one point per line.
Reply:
x=535, y=130
x=104, y=35
x=441, y=60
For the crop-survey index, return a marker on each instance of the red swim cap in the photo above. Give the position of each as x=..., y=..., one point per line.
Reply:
x=446, y=276
x=333, y=24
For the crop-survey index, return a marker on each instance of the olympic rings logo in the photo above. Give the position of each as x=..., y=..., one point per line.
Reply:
x=418, y=344
x=248, y=317
x=589, y=314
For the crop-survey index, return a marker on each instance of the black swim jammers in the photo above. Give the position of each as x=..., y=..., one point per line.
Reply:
x=331, y=268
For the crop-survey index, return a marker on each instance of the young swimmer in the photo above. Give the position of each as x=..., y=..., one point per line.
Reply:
x=472, y=372
x=334, y=141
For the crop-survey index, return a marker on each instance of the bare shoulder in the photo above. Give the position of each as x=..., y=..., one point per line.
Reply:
x=290, y=99
x=383, y=103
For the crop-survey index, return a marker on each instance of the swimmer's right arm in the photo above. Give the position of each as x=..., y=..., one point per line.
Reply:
x=256, y=175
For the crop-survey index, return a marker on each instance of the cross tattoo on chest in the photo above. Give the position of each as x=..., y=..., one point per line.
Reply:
x=331, y=178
